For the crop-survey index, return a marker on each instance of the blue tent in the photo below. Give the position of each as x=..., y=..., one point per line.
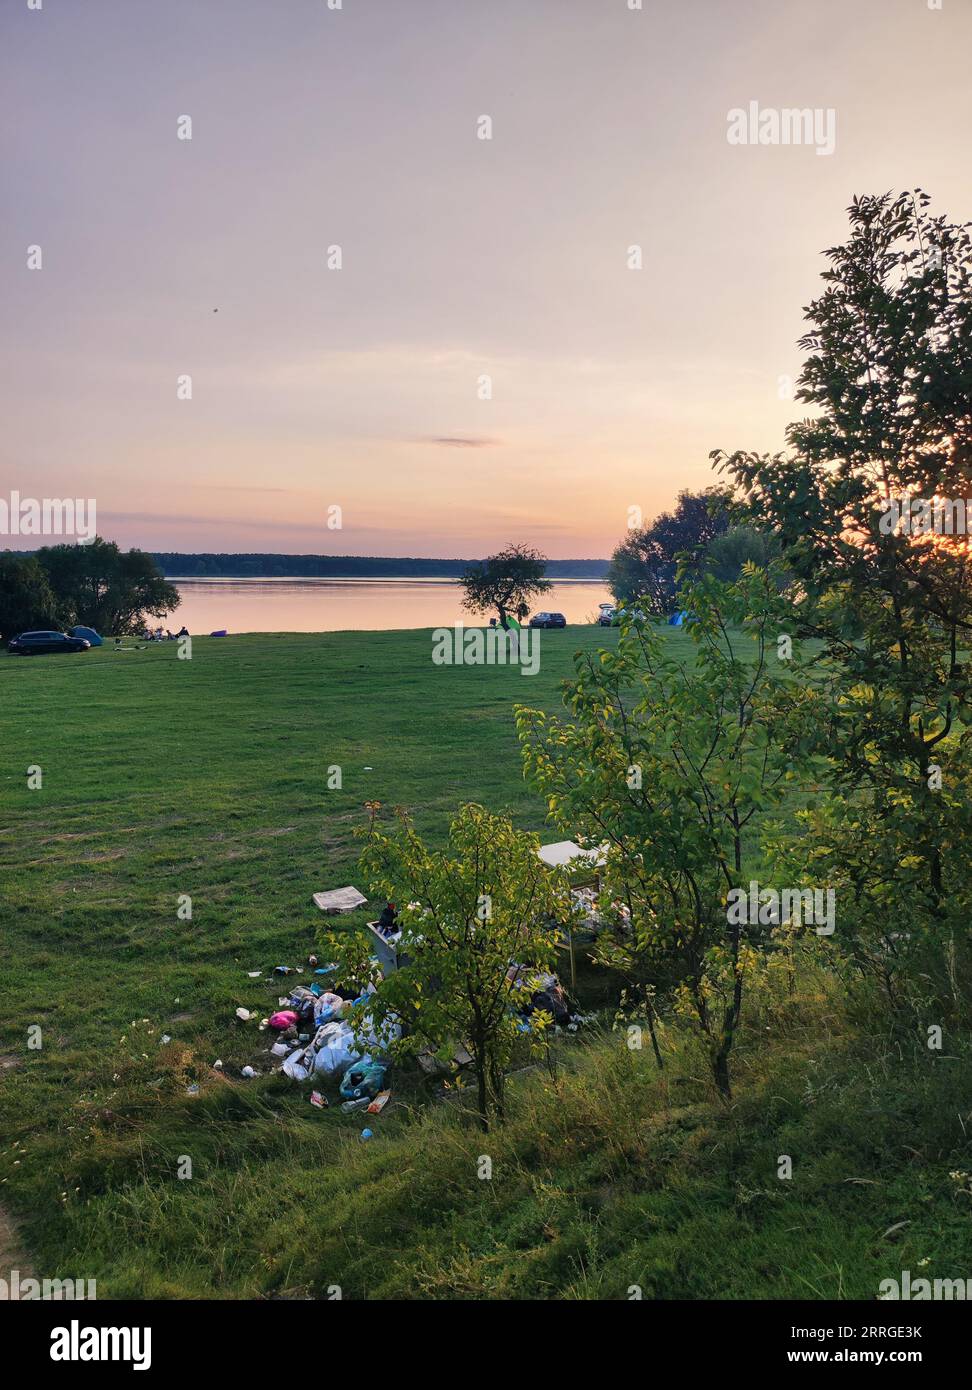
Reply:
x=89, y=633
x=677, y=619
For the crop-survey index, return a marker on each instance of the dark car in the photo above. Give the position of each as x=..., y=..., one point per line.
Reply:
x=548, y=620
x=32, y=643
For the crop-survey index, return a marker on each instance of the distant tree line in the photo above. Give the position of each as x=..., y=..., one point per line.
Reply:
x=268, y=566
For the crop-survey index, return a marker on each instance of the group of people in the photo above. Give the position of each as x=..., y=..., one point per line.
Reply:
x=164, y=635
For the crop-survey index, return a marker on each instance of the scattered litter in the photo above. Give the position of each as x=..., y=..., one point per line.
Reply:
x=311, y=960
x=244, y=1015
x=286, y=970
x=351, y=1105
x=317, y=1100
x=254, y=974
x=218, y=1065
x=366, y=1134
x=192, y=1090
x=280, y=1049
x=379, y=1102
x=369, y=769
x=165, y=1038
x=326, y=1007
x=302, y=1000
x=248, y=1072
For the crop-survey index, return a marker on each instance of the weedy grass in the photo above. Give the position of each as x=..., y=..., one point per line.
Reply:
x=208, y=778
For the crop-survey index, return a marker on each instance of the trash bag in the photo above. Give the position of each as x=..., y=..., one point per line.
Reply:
x=283, y=1020
x=326, y=1007
x=296, y=1065
x=334, y=1049
x=363, y=1079
x=378, y=1038
x=302, y=1000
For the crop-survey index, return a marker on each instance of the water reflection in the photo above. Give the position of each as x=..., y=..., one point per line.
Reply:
x=333, y=605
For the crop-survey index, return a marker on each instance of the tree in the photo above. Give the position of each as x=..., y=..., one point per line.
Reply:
x=726, y=554
x=472, y=911
x=105, y=588
x=507, y=582
x=671, y=765
x=889, y=371
x=644, y=565
x=26, y=598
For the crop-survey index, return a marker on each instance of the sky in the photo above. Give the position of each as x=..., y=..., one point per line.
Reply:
x=361, y=388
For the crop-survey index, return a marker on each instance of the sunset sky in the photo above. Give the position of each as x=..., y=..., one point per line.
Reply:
x=462, y=257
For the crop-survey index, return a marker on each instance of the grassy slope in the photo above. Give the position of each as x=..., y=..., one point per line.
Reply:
x=208, y=777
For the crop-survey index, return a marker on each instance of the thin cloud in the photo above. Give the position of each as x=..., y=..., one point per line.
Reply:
x=459, y=441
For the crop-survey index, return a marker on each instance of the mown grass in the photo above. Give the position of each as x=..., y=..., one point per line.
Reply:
x=209, y=778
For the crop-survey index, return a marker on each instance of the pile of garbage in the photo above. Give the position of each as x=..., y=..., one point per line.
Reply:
x=334, y=1051
x=326, y=1032
x=542, y=992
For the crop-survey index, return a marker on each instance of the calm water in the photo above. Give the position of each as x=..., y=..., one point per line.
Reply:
x=331, y=605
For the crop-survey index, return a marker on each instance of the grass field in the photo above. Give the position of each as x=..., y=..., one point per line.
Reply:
x=208, y=778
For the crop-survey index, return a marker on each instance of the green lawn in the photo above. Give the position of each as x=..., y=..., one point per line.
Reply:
x=208, y=778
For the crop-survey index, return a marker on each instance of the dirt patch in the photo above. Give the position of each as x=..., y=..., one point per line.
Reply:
x=8, y=1061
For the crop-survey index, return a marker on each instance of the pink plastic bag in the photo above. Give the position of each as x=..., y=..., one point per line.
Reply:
x=280, y=1022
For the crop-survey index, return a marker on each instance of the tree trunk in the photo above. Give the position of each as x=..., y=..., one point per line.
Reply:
x=482, y=1094
x=650, y=1013
x=720, y=1070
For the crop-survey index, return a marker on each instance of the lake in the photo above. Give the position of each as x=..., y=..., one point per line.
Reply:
x=362, y=605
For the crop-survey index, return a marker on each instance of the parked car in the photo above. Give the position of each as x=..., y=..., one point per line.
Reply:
x=548, y=620
x=33, y=643
x=607, y=614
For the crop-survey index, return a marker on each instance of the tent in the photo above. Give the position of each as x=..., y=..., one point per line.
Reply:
x=89, y=634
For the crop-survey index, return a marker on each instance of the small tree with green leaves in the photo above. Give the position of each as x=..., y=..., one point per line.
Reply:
x=506, y=583
x=469, y=913
x=671, y=764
